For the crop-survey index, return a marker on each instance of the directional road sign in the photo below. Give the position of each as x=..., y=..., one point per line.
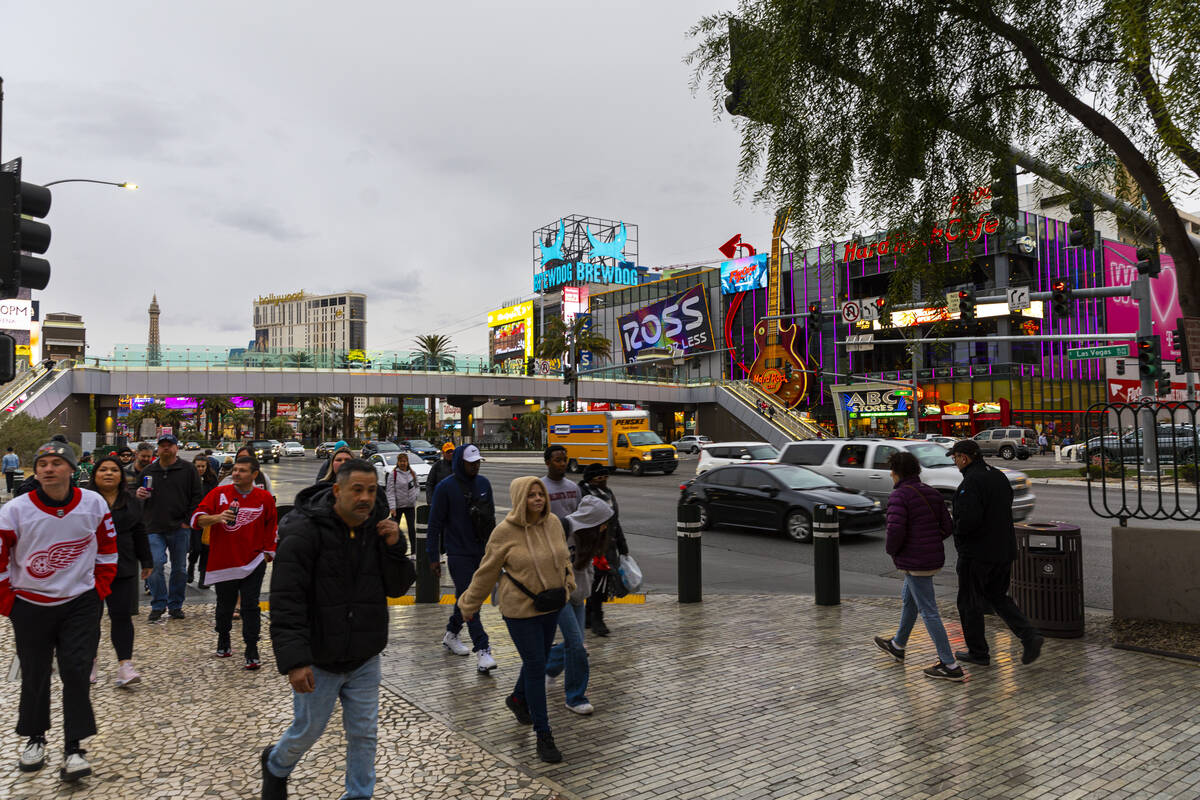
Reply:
x=1018, y=298
x=851, y=311
x=1101, y=351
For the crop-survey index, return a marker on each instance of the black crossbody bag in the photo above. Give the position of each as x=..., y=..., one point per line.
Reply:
x=547, y=601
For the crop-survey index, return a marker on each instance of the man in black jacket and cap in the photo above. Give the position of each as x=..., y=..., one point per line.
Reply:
x=987, y=546
x=339, y=558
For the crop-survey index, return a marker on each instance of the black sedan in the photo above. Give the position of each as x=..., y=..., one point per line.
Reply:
x=777, y=497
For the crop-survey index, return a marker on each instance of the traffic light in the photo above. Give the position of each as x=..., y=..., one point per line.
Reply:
x=1060, y=299
x=966, y=305
x=1149, y=353
x=529, y=370
x=814, y=313
x=1148, y=262
x=19, y=234
x=8, y=358
x=1163, y=385
x=1179, y=343
x=1082, y=224
x=1120, y=366
x=1004, y=189
x=568, y=374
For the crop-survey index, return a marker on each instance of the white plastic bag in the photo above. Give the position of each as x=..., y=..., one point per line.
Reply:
x=631, y=573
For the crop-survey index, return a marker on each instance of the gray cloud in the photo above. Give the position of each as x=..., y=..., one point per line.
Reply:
x=260, y=222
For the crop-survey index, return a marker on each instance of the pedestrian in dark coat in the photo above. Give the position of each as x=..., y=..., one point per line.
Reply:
x=917, y=524
x=339, y=559
x=987, y=546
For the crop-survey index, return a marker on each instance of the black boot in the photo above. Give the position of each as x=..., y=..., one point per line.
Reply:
x=546, y=749
x=273, y=788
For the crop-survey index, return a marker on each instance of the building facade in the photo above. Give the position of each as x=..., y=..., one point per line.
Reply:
x=63, y=336
x=333, y=323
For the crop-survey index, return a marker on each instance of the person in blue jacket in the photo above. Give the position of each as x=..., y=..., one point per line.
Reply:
x=461, y=518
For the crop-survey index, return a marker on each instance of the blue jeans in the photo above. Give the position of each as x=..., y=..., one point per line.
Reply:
x=176, y=543
x=359, y=693
x=917, y=595
x=533, y=637
x=462, y=569
x=570, y=654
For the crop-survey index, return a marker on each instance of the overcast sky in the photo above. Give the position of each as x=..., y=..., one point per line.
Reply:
x=399, y=149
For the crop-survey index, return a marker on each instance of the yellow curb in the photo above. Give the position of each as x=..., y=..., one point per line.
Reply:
x=448, y=600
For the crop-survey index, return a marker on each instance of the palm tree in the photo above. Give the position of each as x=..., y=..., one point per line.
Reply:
x=239, y=418
x=566, y=340
x=215, y=408
x=433, y=352
x=300, y=359
x=133, y=421
x=379, y=417
x=154, y=411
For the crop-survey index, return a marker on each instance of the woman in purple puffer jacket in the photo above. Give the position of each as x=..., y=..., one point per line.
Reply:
x=917, y=524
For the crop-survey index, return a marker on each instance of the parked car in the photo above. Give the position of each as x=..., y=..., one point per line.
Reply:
x=777, y=497
x=1008, y=443
x=691, y=443
x=862, y=464
x=191, y=446
x=718, y=455
x=263, y=450
x=325, y=449
x=385, y=463
x=1174, y=443
x=293, y=449
x=945, y=441
x=376, y=446
x=422, y=447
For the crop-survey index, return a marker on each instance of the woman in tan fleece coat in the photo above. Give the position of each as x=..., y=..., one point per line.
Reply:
x=528, y=546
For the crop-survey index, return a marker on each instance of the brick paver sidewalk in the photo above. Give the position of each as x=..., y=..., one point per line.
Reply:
x=738, y=697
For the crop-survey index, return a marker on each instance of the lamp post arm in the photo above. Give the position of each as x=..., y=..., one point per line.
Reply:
x=125, y=185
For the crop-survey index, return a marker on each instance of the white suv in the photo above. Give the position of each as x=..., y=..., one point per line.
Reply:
x=718, y=455
x=691, y=443
x=862, y=464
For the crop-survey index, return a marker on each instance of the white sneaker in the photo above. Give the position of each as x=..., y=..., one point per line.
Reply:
x=75, y=767
x=582, y=708
x=455, y=645
x=551, y=683
x=126, y=674
x=33, y=757
x=94, y=677
x=486, y=662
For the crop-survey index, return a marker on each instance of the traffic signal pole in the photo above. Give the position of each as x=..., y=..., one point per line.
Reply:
x=1141, y=295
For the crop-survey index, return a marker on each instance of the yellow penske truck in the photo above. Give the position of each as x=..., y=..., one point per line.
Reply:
x=616, y=439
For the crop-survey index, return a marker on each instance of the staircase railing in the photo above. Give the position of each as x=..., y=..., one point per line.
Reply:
x=782, y=418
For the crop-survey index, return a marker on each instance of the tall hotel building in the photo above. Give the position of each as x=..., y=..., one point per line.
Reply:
x=314, y=323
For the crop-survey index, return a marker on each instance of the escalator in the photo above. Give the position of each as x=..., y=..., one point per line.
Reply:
x=743, y=400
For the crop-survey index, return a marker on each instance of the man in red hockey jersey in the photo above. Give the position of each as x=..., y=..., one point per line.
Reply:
x=240, y=543
x=58, y=556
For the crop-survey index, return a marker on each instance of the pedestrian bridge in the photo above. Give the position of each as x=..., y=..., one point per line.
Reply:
x=40, y=393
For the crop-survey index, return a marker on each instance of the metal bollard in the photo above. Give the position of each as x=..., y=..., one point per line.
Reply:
x=826, y=570
x=429, y=589
x=688, y=534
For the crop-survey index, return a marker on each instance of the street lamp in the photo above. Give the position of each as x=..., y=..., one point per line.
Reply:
x=125, y=185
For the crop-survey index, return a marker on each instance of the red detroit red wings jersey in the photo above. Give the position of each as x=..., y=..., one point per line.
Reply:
x=50, y=555
x=235, y=550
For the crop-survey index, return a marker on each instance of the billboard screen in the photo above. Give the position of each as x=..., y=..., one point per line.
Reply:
x=680, y=322
x=1121, y=313
x=510, y=336
x=744, y=274
x=191, y=403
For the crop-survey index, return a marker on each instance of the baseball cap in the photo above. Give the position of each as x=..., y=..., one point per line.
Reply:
x=448, y=447
x=169, y=438
x=471, y=453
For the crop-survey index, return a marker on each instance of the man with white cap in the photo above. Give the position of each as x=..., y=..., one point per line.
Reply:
x=58, y=557
x=461, y=519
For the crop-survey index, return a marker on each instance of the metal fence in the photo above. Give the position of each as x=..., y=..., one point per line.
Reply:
x=1134, y=474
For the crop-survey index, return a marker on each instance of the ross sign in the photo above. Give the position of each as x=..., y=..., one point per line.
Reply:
x=1101, y=351
x=1018, y=298
x=16, y=315
x=851, y=312
x=679, y=322
x=744, y=274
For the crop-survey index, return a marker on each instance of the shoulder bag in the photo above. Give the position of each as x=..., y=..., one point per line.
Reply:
x=547, y=601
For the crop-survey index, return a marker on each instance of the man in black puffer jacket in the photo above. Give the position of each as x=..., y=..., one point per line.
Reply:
x=339, y=558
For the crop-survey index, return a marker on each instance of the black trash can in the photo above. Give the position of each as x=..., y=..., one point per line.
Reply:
x=1047, y=578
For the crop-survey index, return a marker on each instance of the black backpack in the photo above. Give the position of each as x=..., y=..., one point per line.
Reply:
x=481, y=512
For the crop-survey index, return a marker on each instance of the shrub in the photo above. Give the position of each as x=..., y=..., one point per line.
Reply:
x=25, y=435
x=1098, y=470
x=1188, y=472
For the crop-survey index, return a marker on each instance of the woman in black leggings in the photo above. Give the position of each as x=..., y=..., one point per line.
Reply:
x=133, y=554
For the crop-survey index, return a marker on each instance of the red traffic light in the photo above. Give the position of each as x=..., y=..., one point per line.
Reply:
x=814, y=308
x=963, y=294
x=1058, y=286
x=1144, y=345
x=880, y=302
